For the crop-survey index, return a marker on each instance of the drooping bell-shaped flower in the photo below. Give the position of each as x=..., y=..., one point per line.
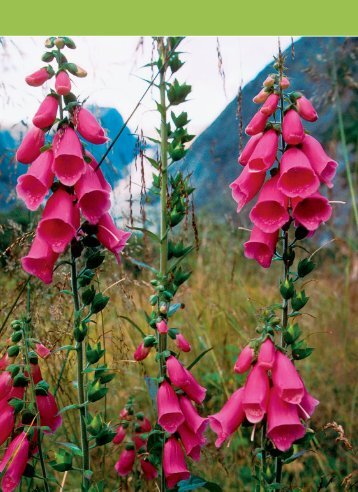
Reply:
x=246, y=187
x=283, y=424
x=257, y=124
x=270, y=212
x=36, y=373
x=305, y=109
x=38, y=78
x=93, y=200
x=162, y=326
x=14, y=462
x=244, y=360
x=311, y=211
x=193, y=389
x=42, y=351
x=265, y=152
x=267, y=354
x=307, y=406
x=261, y=246
x=170, y=415
x=261, y=97
x=112, y=238
x=292, y=129
x=60, y=221
x=89, y=128
x=192, y=442
x=63, y=83
x=47, y=112
x=144, y=425
x=248, y=149
x=182, y=343
x=297, y=178
x=94, y=164
x=7, y=420
x=323, y=165
x=5, y=384
x=48, y=410
x=30, y=146
x=149, y=470
x=284, y=83
x=33, y=186
x=256, y=395
x=68, y=163
x=176, y=372
x=230, y=417
x=286, y=379
x=141, y=352
x=138, y=442
x=120, y=435
x=193, y=420
x=174, y=465
x=125, y=462
x=270, y=105
x=40, y=260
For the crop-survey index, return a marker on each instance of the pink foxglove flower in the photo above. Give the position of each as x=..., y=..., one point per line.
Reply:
x=162, y=326
x=14, y=462
x=125, y=462
x=257, y=124
x=261, y=97
x=193, y=389
x=60, y=221
x=40, y=260
x=36, y=373
x=267, y=354
x=29, y=148
x=264, y=154
x=144, y=425
x=287, y=380
x=270, y=212
x=193, y=420
x=68, y=163
x=182, y=343
x=256, y=395
x=192, y=442
x=94, y=164
x=5, y=384
x=297, y=178
x=307, y=406
x=244, y=360
x=63, y=83
x=38, y=78
x=112, y=238
x=33, y=186
x=89, y=128
x=249, y=148
x=93, y=200
x=323, y=165
x=141, y=352
x=174, y=465
x=47, y=112
x=261, y=246
x=42, y=351
x=305, y=109
x=270, y=105
x=170, y=415
x=48, y=410
x=269, y=81
x=7, y=420
x=149, y=470
x=284, y=426
x=120, y=435
x=230, y=417
x=284, y=83
x=311, y=211
x=246, y=186
x=292, y=128
x=176, y=372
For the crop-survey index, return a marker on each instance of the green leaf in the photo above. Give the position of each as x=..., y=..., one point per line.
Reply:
x=195, y=483
x=177, y=93
x=76, y=451
x=134, y=325
x=299, y=353
x=99, y=303
x=305, y=267
x=175, y=263
x=95, y=260
x=142, y=264
x=296, y=456
x=200, y=356
x=148, y=233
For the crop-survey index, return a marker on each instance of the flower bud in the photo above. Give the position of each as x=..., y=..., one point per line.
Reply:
x=284, y=83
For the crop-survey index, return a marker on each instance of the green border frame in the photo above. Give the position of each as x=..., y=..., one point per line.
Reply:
x=176, y=17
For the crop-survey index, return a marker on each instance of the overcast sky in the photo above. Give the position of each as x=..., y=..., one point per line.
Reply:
x=114, y=70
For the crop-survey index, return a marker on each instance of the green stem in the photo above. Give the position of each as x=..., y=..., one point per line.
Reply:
x=14, y=305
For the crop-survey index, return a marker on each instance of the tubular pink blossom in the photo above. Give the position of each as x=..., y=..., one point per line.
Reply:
x=261, y=246
x=60, y=221
x=93, y=200
x=36, y=373
x=230, y=417
x=256, y=395
x=14, y=462
x=40, y=260
x=174, y=465
x=287, y=380
x=94, y=164
x=270, y=212
x=192, y=442
x=307, y=406
x=176, y=372
x=120, y=435
x=68, y=163
x=270, y=105
x=141, y=352
x=292, y=129
x=162, y=327
x=33, y=186
x=47, y=112
x=305, y=109
x=29, y=148
x=182, y=343
x=264, y=154
x=244, y=360
x=297, y=178
x=193, y=420
x=193, y=389
x=5, y=384
x=248, y=149
x=112, y=238
x=48, y=410
x=261, y=97
x=257, y=124
x=170, y=415
x=38, y=78
x=42, y=351
x=63, y=83
x=284, y=426
x=138, y=442
x=7, y=420
x=284, y=83
x=267, y=354
x=145, y=425
x=149, y=470
x=89, y=128
x=269, y=81
x=311, y=211
x=246, y=186
x=125, y=463
x=323, y=165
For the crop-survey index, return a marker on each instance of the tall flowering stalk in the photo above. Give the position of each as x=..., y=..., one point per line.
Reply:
x=289, y=208
x=76, y=217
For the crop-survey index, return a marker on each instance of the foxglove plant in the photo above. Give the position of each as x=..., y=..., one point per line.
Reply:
x=285, y=167
x=75, y=216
